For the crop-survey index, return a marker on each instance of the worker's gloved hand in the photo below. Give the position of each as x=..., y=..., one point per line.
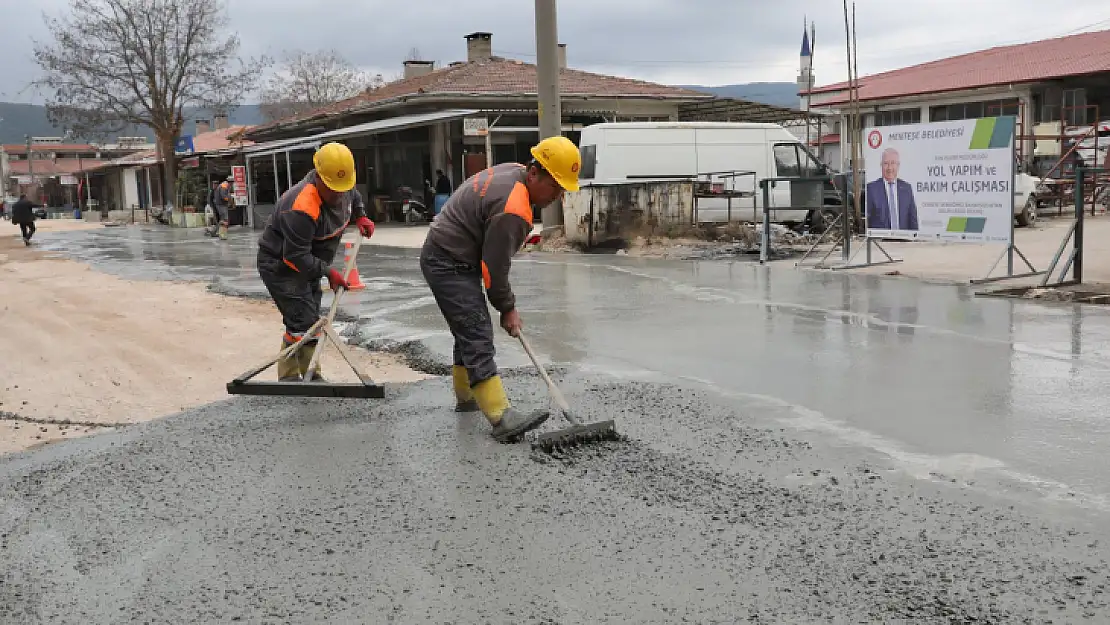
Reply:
x=335, y=280
x=365, y=226
x=511, y=323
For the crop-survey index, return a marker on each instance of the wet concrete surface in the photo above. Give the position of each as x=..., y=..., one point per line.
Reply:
x=271, y=510
x=800, y=447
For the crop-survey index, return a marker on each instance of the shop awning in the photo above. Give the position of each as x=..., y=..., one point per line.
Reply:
x=359, y=130
x=284, y=145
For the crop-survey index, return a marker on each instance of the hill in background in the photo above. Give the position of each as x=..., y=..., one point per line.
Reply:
x=776, y=93
x=18, y=120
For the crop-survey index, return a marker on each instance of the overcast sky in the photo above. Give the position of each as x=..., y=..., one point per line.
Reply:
x=709, y=42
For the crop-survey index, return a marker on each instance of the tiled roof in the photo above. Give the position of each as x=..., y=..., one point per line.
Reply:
x=62, y=166
x=220, y=139
x=212, y=141
x=495, y=76
x=829, y=139
x=1075, y=55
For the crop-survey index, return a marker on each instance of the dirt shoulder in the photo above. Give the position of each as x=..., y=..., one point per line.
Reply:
x=85, y=347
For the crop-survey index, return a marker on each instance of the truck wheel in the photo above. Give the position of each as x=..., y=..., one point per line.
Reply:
x=820, y=220
x=1028, y=215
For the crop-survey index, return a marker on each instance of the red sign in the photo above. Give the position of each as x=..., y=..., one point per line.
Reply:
x=239, y=173
x=875, y=139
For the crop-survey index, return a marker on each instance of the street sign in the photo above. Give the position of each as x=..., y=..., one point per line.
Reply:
x=475, y=126
x=183, y=145
x=239, y=188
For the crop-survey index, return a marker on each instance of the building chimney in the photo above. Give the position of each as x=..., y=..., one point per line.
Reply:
x=418, y=68
x=562, y=56
x=221, y=121
x=479, y=47
x=202, y=126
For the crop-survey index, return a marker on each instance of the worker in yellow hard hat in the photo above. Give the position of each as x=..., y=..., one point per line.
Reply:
x=470, y=244
x=299, y=243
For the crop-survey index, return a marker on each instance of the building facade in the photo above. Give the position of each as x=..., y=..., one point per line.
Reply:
x=51, y=173
x=1058, y=89
x=460, y=119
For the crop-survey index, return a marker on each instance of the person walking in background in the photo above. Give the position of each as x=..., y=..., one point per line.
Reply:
x=224, y=203
x=23, y=214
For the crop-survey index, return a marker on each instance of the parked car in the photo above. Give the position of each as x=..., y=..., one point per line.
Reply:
x=1025, y=199
x=39, y=212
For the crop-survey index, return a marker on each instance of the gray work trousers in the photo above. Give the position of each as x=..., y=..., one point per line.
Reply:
x=296, y=298
x=457, y=288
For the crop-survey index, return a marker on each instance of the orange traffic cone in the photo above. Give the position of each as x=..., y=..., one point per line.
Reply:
x=354, y=282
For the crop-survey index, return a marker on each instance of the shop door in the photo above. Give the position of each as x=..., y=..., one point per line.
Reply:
x=474, y=164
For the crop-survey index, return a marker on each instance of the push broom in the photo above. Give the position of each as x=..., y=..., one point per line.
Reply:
x=364, y=388
x=578, y=433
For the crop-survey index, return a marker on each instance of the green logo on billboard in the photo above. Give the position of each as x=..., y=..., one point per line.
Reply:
x=992, y=133
x=967, y=225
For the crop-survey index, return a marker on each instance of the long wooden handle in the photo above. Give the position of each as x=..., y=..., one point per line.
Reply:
x=334, y=307
x=556, y=394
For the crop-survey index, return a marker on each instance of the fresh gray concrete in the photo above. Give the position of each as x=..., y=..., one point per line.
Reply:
x=801, y=447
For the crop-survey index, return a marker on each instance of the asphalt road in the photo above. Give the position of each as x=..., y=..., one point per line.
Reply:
x=800, y=447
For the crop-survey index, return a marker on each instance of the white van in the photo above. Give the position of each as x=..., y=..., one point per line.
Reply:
x=641, y=151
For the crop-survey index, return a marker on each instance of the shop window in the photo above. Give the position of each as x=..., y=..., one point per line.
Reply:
x=898, y=117
x=974, y=110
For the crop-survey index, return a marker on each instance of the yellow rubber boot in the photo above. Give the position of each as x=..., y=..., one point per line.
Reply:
x=304, y=358
x=464, y=397
x=223, y=231
x=508, y=424
x=288, y=369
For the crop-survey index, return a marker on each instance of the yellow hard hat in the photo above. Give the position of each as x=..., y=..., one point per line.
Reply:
x=335, y=165
x=560, y=157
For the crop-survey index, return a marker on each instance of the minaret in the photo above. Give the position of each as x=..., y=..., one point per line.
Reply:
x=805, y=69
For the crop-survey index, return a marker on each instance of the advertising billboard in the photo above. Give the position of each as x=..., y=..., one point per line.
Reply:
x=942, y=181
x=239, y=176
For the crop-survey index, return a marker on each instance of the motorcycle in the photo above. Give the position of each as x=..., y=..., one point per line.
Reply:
x=412, y=210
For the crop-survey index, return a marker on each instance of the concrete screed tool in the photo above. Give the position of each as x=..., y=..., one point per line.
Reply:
x=577, y=433
x=366, y=388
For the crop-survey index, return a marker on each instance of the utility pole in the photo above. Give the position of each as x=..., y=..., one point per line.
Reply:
x=547, y=74
x=31, y=166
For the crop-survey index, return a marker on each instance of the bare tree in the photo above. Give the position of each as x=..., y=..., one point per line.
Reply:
x=118, y=63
x=308, y=80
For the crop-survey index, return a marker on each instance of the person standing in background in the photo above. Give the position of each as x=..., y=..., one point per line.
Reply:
x=443, y=190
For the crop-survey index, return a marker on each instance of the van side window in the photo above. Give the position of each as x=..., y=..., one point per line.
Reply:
x=589, y=162
x=786, y=160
